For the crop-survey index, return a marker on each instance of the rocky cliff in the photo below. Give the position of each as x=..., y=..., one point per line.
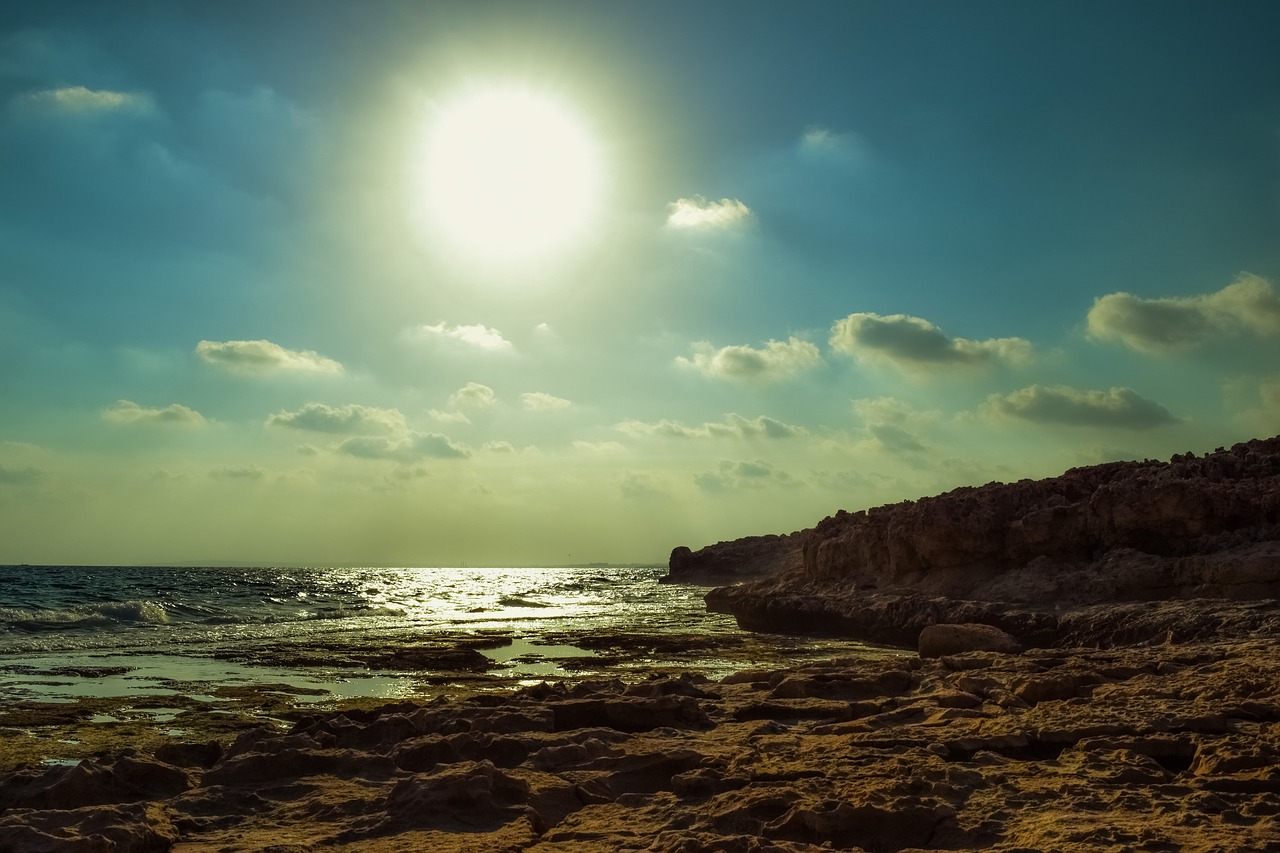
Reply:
x=1022, y=554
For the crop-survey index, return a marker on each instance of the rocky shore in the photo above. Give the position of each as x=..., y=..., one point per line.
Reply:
x=1114, y=554
x=1160, y=748
x=1086, y=663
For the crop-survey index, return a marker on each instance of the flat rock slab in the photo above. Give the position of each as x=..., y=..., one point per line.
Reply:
x=1171, y=747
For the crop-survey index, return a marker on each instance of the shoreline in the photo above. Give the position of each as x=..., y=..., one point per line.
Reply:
x=1162, y=747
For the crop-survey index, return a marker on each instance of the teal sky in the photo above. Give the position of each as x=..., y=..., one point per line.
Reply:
x=270, y=292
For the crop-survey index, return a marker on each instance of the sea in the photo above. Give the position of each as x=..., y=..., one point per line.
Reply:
x=69, y=632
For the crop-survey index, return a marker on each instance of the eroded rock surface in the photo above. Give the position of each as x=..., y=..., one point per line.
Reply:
x=1160, y=748
x=1047, y=560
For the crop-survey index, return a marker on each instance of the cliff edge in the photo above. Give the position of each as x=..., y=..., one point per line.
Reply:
x=1045, y=560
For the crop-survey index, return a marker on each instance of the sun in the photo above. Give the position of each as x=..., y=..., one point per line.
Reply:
x=509, y=175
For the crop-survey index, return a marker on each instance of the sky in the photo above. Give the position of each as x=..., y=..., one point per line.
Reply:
x=531, y=283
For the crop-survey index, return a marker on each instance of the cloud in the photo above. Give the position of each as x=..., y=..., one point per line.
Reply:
x=473, y=395
x=732, y=476
x=498, y=447
x=538, y=401
x=261, y=357
x=599, y=448
x=351, y=418
x=448, y=417
x=890, y=424
x=478, y=336
x=776, y=360
x=697, y=212
x=238, y=472
x=415, y=446
x=638, y=485
x=25, y=476
x=1121, y=408
x=1179, y=323
x=733, y=426
x=827, y=145
x=79, y=99
x=912, y=343
x=129, y=412
x=1256, y=402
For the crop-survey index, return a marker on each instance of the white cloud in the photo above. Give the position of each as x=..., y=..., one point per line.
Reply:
x=261, y=357
x=79, y=99
x=774, y=361
x=473, y=395
x=1121, y=408
x=599, y=448
x=448, y=417
x=498, y=447
x=1179, y=323
x=415, y=446
x=914, y=344
x=351, y=418
x=129, y=412
x=732, y=476
x=697, y=212
x=538, y=401
x=733, y=426
x=478, y=336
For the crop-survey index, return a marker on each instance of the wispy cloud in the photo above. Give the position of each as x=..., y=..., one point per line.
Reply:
x=80, y=99
x=733, y=426
x=539, y=401
x=777, y=359
x=915, y=344
x=349, y=419
x=238, y=472
x=1179, y=323
x=411, y=448
x=474, y=335
x=263, y=357
x=891, y=424
x=698, y=212
x=27, y=475
x=129, y=412
x=733, y=476
x=1121, y=408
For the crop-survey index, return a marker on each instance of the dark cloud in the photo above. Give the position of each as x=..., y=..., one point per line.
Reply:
x=733, y=426
x=916, y=344
x=1174, y=324
x=414, y=447
x=1120, y=408
x=351, y=418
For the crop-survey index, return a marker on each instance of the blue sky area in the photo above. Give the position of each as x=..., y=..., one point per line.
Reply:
x=528, y=283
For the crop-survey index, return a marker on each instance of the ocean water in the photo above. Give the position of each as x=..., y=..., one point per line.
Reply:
x=68, y=632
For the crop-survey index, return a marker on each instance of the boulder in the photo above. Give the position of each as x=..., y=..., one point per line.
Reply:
x=940, y=640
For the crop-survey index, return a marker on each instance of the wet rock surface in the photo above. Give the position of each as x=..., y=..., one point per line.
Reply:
x=1167, y=747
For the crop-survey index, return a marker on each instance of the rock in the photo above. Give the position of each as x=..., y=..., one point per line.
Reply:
x=940, y=640
x=1068, y=560
x=740, y=559
x=1153, y=747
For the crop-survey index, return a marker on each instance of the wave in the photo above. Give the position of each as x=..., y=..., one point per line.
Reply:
x=517, y=601
x=101, y=615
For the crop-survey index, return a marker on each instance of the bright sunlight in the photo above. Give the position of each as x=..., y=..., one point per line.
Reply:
x=510, y=174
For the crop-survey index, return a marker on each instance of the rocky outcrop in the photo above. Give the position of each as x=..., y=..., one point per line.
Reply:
x=736, y=560
x=1019, y=555
x=1167, y=747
